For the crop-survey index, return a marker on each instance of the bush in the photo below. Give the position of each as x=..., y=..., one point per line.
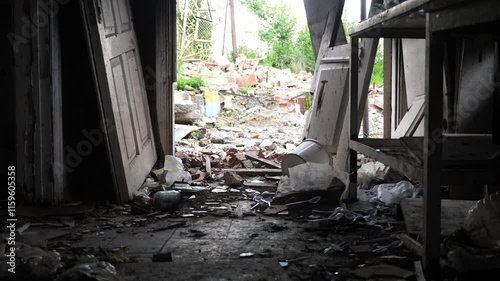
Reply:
x=248, y=52
x=195, y=82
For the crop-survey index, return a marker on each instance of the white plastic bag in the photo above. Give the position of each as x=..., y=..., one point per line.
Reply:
x=175, y=171
x=392, y=193
x=306, y=177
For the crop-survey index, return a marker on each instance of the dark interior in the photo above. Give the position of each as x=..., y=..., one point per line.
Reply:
x=8, y=126
x=87, y=167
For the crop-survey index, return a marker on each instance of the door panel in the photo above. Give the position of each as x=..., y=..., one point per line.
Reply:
x=122, y=92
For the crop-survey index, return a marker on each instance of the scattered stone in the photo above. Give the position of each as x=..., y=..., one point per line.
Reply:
x=232, y=179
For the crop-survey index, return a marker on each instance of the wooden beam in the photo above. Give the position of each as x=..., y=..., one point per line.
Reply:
x=233, y=30
x=24, y=104
x=397, y=163
x=59, y=183
x=411, y=119
x=263, y=161
x=432, y=150
x=353, y=118
x=172, y=62
x=166, y=53
x=372, y=26
x=255, y=172
x=317, y=13
x=387, y=87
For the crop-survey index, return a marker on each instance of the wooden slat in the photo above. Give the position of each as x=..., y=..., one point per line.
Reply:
x=395, y=162
x=411, y=119
x=317, y=13
x=373, y=26
x=464, y=15
x=255, y=172
x=59, y=184
x=387, y=87
x=263, y=161
x=350, y=193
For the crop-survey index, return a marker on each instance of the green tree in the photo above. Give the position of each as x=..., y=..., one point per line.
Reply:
x=277, y=30
x=303, y=52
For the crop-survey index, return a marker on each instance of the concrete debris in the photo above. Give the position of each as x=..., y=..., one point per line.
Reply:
x=232, y=179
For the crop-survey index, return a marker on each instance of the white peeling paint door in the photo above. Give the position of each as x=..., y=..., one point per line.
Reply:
x=122, y=95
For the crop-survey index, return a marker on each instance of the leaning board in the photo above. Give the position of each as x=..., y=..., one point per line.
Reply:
x=453, y=213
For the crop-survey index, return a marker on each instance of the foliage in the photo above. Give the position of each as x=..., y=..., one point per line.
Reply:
x=378, y=68
x=248, y=52
x=245, y=90
x=308, y=101
x=277, y=30
x=303, y=52
x=195, y=82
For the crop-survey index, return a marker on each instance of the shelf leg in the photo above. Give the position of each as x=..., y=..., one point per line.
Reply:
x=433, y=139
x=353, y=123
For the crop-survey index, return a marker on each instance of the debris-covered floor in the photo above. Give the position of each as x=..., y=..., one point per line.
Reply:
x=227, y=213
x=219, y=236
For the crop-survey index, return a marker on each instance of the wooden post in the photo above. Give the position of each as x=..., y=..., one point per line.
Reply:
x=184, y=25
x=224, y=34
x=233, y=31
x=171, y=74
x=433, y=151
x=353, y=121
x=387, y=87
x=165, y=75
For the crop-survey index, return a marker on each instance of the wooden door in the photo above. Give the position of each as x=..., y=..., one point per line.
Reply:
x=122, y=94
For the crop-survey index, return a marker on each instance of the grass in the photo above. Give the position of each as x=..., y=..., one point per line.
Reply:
x=195, y=82
x=245, y=90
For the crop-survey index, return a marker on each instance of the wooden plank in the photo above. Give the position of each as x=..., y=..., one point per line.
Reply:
x=453, y=213
x=317, y=13
x=469, y=147
x=476, y=88
x=350, y=194
x=165, y=69
x=387, y=111
x=414, y=68
x=59, y=183
x=460, y=16
x=395, y=162
x=380, y=143
x=24, y=103
x=432, y=150
x=372, y=27
x=171, y=75
x=255, y=172
x=411, y=119
x=259, y=184
x=263, y=161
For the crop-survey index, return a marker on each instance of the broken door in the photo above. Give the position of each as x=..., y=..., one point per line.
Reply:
x=122, y=95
